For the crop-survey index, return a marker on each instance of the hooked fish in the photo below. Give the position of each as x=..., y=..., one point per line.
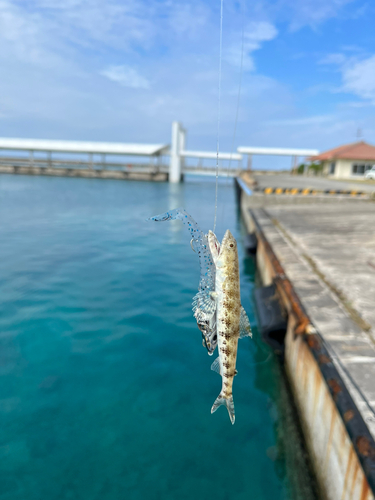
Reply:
x=231, y=319
x=210, y=335
x=204, y=304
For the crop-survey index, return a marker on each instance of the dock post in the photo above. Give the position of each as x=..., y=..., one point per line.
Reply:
x=182, y=137
x=239, y=165
x=294, y=165
x=249, y=162
x=175, y=158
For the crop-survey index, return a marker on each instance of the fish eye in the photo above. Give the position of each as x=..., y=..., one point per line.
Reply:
x=231, y=245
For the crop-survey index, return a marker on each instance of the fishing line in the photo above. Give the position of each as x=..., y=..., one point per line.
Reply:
x=218, y=110
x=238, y=102
x=238, y=95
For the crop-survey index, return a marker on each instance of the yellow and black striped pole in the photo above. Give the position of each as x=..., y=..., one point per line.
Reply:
x=310, y=191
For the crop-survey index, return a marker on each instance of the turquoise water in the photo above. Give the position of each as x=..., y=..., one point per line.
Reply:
x=105, y=388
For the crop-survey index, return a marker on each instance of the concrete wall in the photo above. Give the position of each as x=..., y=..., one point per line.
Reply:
x=336, y=463
x=344, y=168
x=326, y=167
x=334, y=458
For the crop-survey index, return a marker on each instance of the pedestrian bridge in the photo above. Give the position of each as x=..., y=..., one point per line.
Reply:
x=127, y=160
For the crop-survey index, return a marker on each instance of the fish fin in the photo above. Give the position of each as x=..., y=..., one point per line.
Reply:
x=215, y=367
x=205, y=302
x=235, y=372
x=228, y=402
x=245, y=328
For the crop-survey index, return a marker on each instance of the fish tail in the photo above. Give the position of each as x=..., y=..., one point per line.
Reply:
x=228, y=402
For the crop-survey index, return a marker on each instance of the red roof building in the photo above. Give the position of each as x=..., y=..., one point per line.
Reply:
x=349, y=160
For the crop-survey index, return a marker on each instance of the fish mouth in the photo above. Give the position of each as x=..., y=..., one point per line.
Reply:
x=209, y=338
x=207, y=344
x=213, y=242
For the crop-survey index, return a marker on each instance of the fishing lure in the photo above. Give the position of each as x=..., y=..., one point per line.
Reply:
x=231, y=318
x=204, y=304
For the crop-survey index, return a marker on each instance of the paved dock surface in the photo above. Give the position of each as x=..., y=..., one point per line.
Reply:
x=341, y=242
x=328, y=253
x=302, y=181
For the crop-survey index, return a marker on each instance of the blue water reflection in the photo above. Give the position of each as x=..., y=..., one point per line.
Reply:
x=105, y=389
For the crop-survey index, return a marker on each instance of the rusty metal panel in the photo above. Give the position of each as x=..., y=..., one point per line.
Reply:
x=334, y=456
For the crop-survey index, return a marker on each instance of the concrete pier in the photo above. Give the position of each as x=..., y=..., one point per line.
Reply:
x=80, y=159
x=83, y=159
x=319, y=251
x=146, y=174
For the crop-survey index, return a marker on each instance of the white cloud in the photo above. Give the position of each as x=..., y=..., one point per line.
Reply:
x=59, y=62
x=20, y=33
x=359, y=78
x=255, y=35
x=310, y=12
x=309, y=120
x=112, y=23
x=352, y=48
x=187, y=18
x=358, y=75
x=356, y=104
x=260, y=32
x=126, y=76
x=336, y=58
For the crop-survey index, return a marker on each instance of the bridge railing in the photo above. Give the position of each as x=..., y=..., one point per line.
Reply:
x=51, y=162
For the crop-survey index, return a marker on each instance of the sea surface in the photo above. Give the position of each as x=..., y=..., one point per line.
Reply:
x=105, y=388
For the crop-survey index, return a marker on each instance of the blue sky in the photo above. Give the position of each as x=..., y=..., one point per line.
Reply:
x=123, y=70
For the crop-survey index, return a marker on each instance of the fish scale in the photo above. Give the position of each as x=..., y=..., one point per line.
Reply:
x=232, y=321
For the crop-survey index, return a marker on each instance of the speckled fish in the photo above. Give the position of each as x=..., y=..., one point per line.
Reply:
x=204, y=304
x=231, y=319
x=210, y=334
